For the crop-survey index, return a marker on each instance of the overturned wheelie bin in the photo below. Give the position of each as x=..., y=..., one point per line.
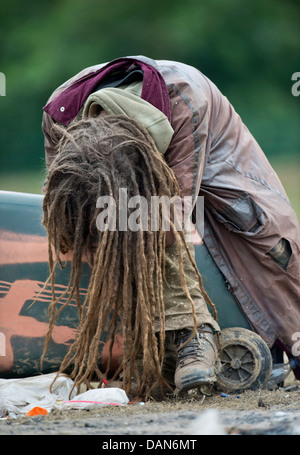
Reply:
x=246, y=360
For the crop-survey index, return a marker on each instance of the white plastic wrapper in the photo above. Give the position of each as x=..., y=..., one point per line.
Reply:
x=108, y=396
x=18, y=396
x=2, y=406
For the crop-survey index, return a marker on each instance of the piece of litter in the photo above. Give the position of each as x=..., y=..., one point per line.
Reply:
x=223, y=394
x=107, y=396
x=36, y=411
x=23, y=394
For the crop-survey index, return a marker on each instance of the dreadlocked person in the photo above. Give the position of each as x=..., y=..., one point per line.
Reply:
x=98, y=157
x=167, y=131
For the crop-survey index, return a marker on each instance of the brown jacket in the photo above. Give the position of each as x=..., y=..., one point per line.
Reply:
x=247, y=212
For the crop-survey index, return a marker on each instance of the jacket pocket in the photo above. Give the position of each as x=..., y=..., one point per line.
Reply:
x=281, y=253
x=243, y=215
x=286, y=255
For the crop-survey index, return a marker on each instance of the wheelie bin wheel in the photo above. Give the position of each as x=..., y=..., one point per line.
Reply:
x=246, y=360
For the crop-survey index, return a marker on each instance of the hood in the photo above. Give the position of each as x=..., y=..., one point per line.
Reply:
x=126, y=100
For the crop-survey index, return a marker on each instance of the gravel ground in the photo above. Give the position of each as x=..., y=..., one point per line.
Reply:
x=260, y=412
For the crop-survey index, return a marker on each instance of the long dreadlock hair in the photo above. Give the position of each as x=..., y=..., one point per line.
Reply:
x=97, y=157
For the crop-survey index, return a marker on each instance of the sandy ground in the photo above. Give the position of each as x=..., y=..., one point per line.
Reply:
x=261, y=412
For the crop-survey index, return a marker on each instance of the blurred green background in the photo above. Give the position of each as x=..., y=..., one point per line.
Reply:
x=249, y=48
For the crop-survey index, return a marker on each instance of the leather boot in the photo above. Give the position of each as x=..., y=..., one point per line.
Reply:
x=196, y=360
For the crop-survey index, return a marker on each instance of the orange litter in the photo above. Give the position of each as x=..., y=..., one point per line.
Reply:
x=36, y=411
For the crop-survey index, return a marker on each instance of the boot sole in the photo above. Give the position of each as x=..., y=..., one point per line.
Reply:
x=192, y=380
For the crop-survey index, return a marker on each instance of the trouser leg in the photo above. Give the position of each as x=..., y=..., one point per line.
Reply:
x=178, y=307
x=195, y=364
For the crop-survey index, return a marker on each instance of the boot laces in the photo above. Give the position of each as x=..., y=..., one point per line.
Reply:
x=194, y=350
